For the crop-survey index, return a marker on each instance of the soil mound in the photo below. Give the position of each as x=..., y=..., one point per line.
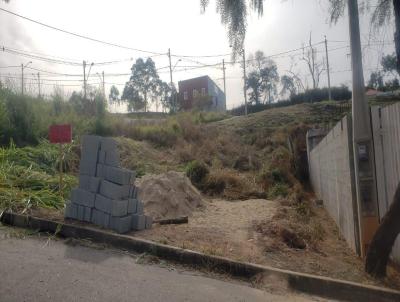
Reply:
x=168, y=195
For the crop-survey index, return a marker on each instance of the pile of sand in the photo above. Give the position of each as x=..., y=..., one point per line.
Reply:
x=168, y=195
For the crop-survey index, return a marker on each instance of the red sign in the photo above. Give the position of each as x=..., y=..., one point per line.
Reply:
x=60, y=134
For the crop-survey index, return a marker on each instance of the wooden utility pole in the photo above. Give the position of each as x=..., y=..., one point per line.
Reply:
x=244, y=81
x=328, y=70
x=171, y=81
x=223, y=68
x=38, y=75
x=22, y=78
x=84, y=80
x=364, y=162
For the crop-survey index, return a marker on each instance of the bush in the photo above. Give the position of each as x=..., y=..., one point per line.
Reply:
x=197, y=172
x=278, y=190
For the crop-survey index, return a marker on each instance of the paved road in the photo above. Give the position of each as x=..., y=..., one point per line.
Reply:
x=35, y=269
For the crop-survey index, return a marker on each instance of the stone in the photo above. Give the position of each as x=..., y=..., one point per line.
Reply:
x=138, y=222
x=112, y=207
x=149, y=222
x=108, y=144
x=102, y=157
x=84, y=182
x=112, y=158
x=121, y=224
x=100, y=171
x=94, y=184
x=90, y=145
x=114, y=191
x=87, y=166
x=82, y=197
x=118, y=175
x=132, y=206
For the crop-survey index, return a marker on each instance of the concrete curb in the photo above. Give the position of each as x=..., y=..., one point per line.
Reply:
x=315, y=285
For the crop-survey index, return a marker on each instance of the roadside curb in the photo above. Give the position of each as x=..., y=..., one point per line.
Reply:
x=315, y=285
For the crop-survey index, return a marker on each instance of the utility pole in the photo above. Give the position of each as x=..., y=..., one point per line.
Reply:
x=223, y=68
x=38, y=76
x=244, y=81
x=104, y=85
x=84, y=80
x=364, y=164
x=328, y=70
x=22, y=78
x=172, y=83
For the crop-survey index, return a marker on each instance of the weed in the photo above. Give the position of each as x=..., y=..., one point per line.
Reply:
x=197, y=172
x=278, y=190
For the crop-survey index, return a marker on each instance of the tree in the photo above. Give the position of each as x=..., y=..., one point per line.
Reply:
x=165, y=94
x=288, y=85
x=253, y=82
x=114, y=95
x=315, y=68
x=376, y=80
x=389, y=64
x=142, y=85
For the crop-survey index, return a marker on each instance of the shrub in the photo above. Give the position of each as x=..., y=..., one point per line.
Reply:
x=278, y=190
x=197, y=172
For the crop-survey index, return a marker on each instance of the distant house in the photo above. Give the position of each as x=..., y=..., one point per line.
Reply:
x=371, y=92
x=203, y=93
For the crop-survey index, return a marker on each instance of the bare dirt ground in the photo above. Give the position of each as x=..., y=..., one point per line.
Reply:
x=226, y=228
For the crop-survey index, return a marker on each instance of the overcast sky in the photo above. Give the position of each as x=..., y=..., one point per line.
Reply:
x=156, y=25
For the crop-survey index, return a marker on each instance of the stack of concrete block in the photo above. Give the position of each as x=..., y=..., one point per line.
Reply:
x=106, y=195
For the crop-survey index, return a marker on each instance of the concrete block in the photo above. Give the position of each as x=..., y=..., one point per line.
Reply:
x=81, y=212
x=138, y=222
x=114, y=191
x=132, y=206
x=94, y=184
x=82, y=197
x=100, y=218
x=102, y=157
x=108, y=144
x=90, y=145
x=118, y=175
x=133, y=192
x=87, y=166
x=84, y=182
x=112, y=158
x=112, y=207
x=100, y=171
x=87, y=215
x=121, y=224
x=149, y=222
x=140, y=208
x=71, y=210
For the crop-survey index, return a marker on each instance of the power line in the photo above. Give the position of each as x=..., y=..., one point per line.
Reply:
x=79, y=35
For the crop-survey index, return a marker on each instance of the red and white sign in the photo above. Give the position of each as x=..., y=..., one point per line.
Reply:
x=60, y=134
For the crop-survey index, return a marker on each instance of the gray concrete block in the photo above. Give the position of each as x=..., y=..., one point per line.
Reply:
x=132, y=206
x=81, y=212
x=114, y=191
x=112, y=207
x=149, y=222
x=112, y=158
x=82, y=197
x=87, y=166
x=100, y=218
x=140, y=208
x=71, y=210
x=133, y=192
x=138, y=222
x=100, y=171
x=108, y=144
x=94, y=184
x=87, y=215
x=121, y=224
x=90, y=144
x=102, y=157
x=118, y=175
x=84, y=182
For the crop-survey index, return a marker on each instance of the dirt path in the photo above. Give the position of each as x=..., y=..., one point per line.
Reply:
x=220, y=228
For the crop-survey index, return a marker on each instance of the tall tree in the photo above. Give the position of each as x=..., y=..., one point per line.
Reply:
x=114, y=95
x=142, y=85
x=315, y=67
x=288, y=85
x=254, y=84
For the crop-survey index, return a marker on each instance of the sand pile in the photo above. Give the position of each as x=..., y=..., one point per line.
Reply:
x=168, y=195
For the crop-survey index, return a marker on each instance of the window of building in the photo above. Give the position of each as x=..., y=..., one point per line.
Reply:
x=185, y=96
x=203, y=91
x=194, y=93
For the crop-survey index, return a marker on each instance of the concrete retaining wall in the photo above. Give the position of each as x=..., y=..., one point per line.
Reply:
x=331, y=174
x=386, y=131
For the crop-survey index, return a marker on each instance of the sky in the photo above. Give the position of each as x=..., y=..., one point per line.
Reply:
x=156, y=26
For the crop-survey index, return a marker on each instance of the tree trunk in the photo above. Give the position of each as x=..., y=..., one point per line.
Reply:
x=384, y=238
x=396, y=7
